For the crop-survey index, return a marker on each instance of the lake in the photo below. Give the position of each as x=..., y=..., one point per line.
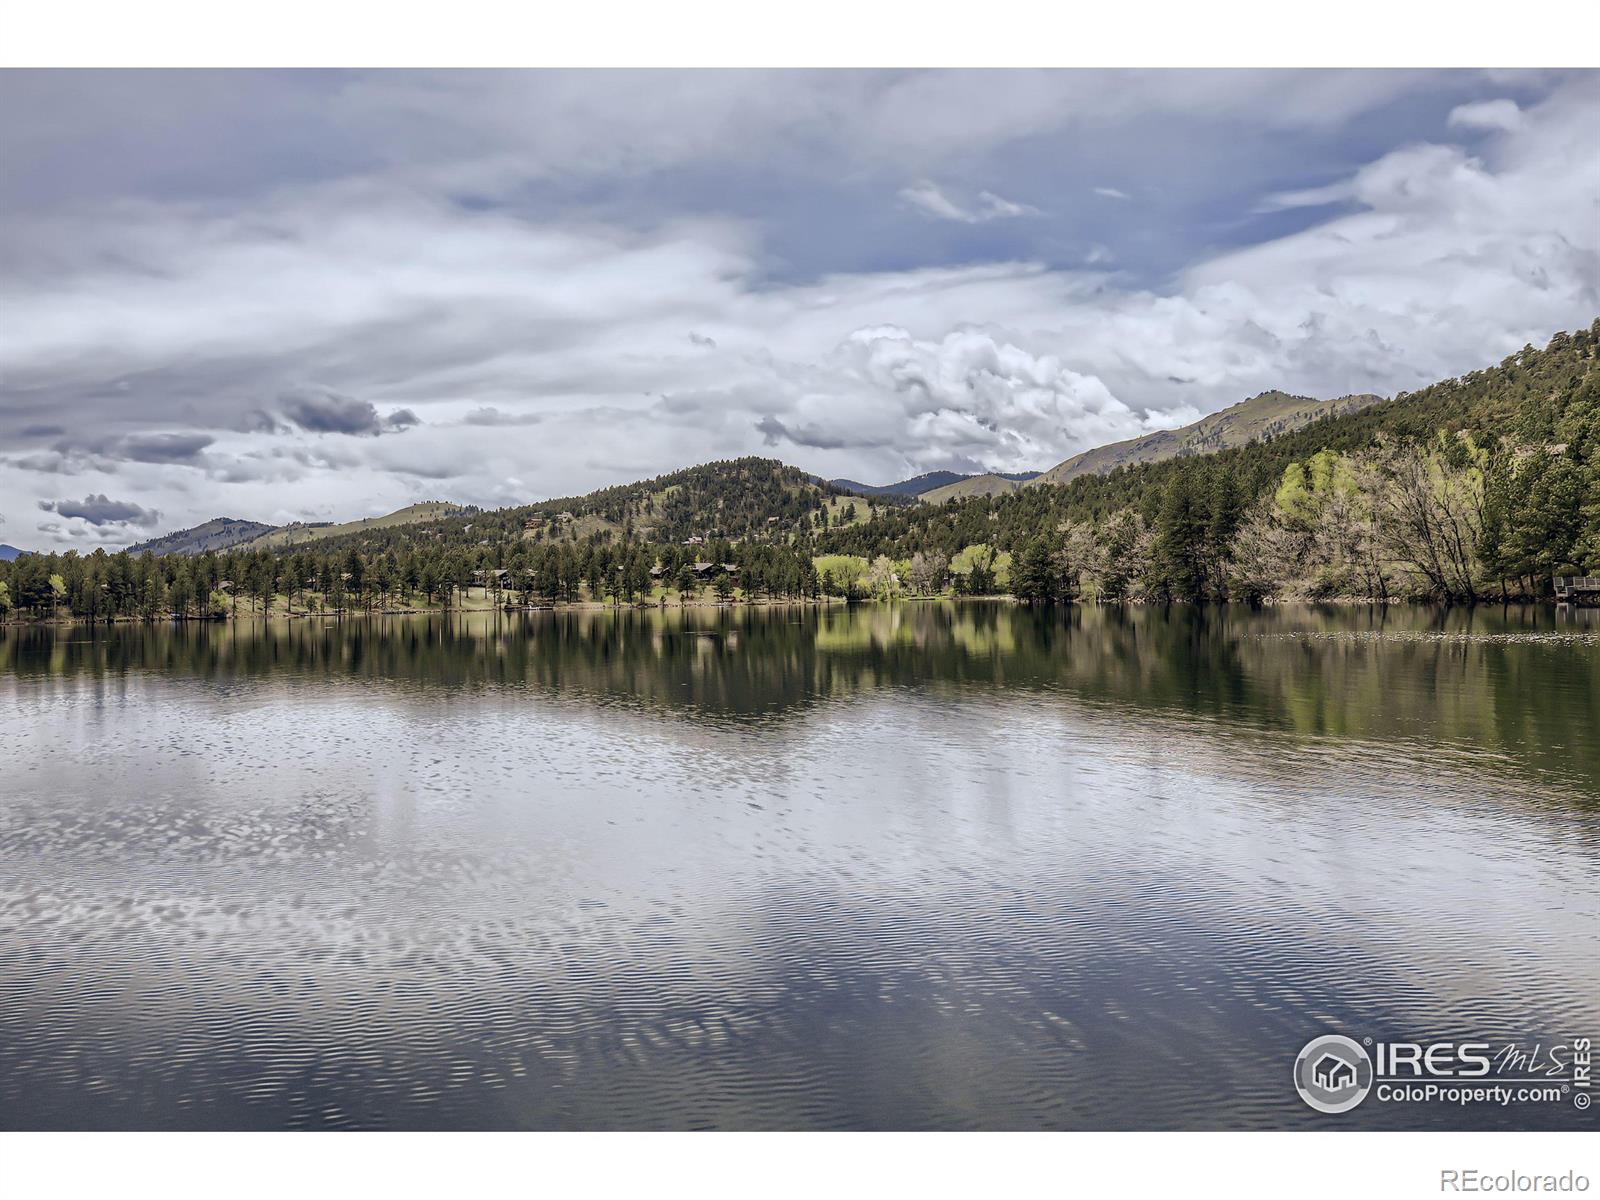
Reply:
x=937, y=866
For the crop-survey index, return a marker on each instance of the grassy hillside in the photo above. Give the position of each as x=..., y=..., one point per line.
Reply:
x=219, y=533
x=1259, y=418
x=972, y=485
x=299, y=535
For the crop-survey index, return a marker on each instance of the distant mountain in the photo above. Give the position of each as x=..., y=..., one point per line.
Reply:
x=219, y=533
x=1257, y=419
x=10, y=553
x=922, y=484
x=226, y=533
x=300, y=533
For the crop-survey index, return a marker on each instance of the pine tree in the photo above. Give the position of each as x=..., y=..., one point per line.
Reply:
x=1035, y=575
x=1178, y=556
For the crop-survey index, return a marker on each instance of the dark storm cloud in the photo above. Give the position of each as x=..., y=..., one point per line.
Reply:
x=98, y=509
x=774, y=431
x=163, y=447
x=75, y=453
x=323, y=411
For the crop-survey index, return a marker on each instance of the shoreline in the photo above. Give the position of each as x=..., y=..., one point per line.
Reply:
x=593, y=606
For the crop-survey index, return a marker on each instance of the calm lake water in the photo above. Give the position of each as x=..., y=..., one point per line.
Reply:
x=926, y=866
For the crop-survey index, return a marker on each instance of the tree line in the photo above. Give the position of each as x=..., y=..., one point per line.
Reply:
x=347, y=579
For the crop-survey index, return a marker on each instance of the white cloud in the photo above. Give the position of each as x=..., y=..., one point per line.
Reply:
x=967, y=398
x=928, y=197
x=1111, y=193
x=931, y=200
x=1503, y=115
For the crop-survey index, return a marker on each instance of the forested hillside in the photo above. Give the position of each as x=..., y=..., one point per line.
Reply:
x=1482, y=485
x=216, y=534
x=739, y=527
x=1476, y=487
x=737, y=500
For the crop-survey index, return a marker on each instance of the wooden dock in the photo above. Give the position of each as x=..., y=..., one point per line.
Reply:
x=1570, y=586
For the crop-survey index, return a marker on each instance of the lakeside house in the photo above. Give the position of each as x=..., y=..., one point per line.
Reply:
x=1567, y=587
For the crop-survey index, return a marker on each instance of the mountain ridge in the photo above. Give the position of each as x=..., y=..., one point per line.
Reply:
x=302, y=532
x=1265, y=415
x=219, y=533
x=929, y=481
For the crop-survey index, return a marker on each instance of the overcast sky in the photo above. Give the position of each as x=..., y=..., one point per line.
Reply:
x=308, y=295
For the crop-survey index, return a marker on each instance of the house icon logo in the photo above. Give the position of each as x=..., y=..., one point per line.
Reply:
x=1333, y=1073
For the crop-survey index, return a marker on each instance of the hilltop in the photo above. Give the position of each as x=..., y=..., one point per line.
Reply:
x=300, y=534
x=920, y=485
x=219, y=533
x=741, y=499
x=10, y=553
x=228, y=533
x=1258, y=419
x=977, y=485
